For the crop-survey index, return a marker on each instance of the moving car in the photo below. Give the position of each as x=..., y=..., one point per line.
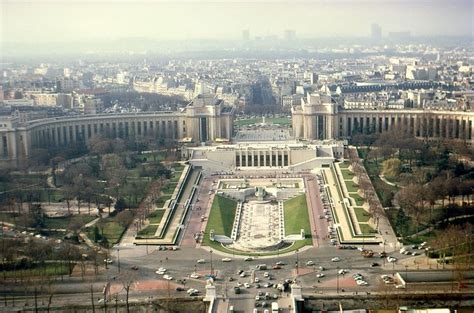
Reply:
x=336, y=259
x=226, y=260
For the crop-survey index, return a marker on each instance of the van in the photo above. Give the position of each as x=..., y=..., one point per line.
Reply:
x=275, y=307
x=261, y=267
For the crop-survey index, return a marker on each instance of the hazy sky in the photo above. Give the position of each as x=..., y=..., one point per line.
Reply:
x=63, y=21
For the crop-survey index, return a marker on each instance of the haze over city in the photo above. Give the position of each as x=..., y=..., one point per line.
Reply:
x=237, y=156
x=71, y=21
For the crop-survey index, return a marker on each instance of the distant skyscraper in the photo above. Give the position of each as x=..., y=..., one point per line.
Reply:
x=376, y=32
x=290, y=35
x=245, y=35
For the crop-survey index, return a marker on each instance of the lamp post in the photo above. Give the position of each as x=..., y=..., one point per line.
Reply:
x=118, y=259
x=212, y=270
x=297, y=264
x=406, y=277
x=146, y=244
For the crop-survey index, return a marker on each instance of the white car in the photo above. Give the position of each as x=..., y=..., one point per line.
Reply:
x=192, y=290
x=248, y=258
x=256, y=280
x=108, y=261
x=342, y=271
x=247, y=285
x=336, y=259
x=194, y=275
x=309, y=263
x=320, y=275
x=201, y=261
x=226, y=260
x=243, y=274
x=266, y=274
x=362, y=282
x=257, y=298
x=168, y=277
x=391, y=259
x=400, y=286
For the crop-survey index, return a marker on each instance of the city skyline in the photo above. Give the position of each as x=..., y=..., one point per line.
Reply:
x=85, y=21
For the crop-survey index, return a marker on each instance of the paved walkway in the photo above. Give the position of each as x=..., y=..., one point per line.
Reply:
x=386, y=181
x=342, y=217
x=177, y=214
x=313, y=201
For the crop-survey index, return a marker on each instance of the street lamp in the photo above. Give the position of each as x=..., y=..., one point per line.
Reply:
x=297, y=263
x=406, y=277
x=118, y=259
x=212, y=270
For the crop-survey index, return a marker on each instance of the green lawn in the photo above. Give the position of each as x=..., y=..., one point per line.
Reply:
x=178, y=167
x=175, y=176
x=344, y=165
x=366, y=229
x=110, y=229
x=133, y=173
x=351, y=186
x=218, y=218
x=161, y=200
x=48, y=269
x=296, y=215
x=148, y=157
x=156, y=216
x=362, y=215
x=359, y=201
x=169, y=188
x=221, y=217
x=55, y=223
x=258, y=120
x=9, y=218
x=279, y=120
x=51, y=223
x=248, y=121
x=348, y=175
x=148, y=231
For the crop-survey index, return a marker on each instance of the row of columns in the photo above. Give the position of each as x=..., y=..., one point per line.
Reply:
x=262, y=158
x=64, y=133
x=435, y=126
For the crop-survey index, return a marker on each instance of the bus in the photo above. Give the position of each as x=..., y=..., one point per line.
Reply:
x=275, y=307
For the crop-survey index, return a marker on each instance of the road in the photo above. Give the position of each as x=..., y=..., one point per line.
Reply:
x=181, y=263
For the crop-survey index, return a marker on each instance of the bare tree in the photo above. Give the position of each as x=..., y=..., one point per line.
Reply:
x=127, y=278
